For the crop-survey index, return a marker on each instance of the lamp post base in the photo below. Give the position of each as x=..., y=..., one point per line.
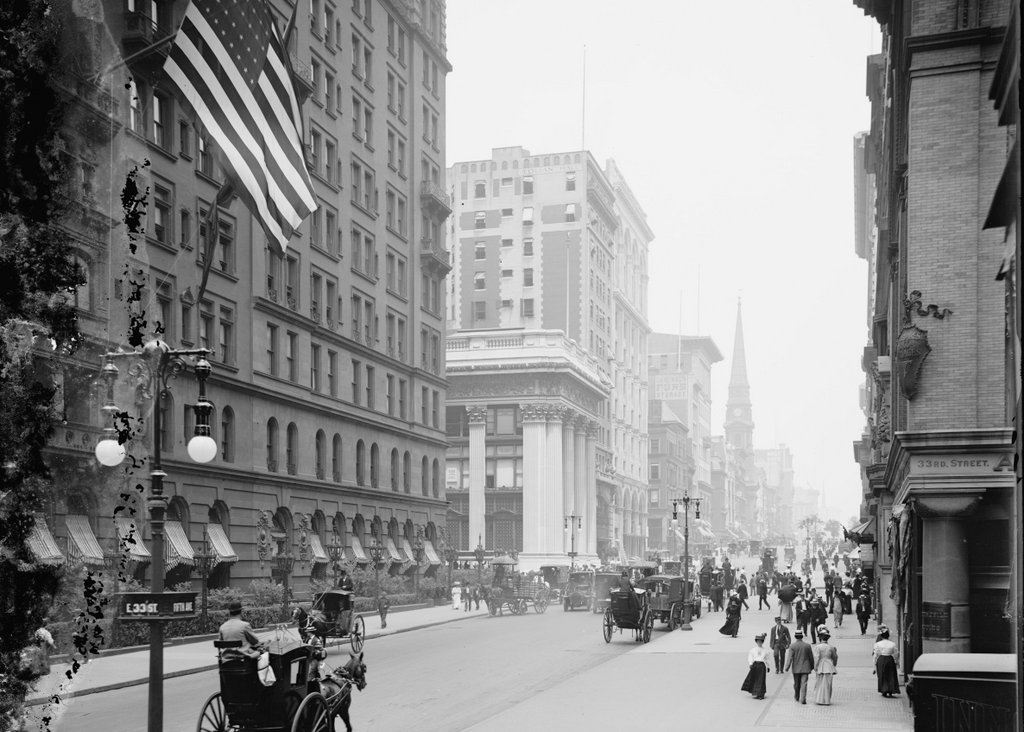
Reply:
x=687, y=616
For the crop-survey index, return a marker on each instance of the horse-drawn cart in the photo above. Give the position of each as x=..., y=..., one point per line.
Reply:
x=517, y=598
x=628, y=610
x=331, y=616
x=298, y=699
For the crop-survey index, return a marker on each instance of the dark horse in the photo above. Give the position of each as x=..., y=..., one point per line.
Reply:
x=310, y=626
x=337, y=685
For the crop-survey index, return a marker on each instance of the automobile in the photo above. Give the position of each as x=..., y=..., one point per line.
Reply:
x=578, y=591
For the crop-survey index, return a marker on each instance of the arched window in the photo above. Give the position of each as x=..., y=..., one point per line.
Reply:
x=272, y=445
x=291, y=450
x=425, y=476
x=360, y=463
x=319, y=526
x=435, y=478
x=83, y=293
x=166, y=422
x=394, y=469
x=407, y=472
x=320, y=450
x=336, y=459
x=227, y=435
x=281, y=531
x=177, y=510
x=374, y=465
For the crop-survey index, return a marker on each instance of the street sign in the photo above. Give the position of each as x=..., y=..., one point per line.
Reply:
x=157, y=605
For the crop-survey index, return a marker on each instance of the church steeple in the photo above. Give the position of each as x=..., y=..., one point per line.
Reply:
x=739, y=421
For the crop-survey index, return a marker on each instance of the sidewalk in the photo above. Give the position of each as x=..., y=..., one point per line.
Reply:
x=119, y=670
x=689, y=679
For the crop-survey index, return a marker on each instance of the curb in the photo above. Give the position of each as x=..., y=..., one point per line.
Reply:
x=37, y=701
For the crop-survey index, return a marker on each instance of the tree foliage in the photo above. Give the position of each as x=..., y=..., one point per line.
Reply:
x=38, y=323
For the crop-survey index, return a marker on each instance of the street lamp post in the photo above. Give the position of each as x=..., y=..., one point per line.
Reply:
x=479, y=554
x=450, y=555
x=204, y=565
x=153, y=366
x=285, y=564
x=334, y=551
x=417, y=555
x=571, y=524
x=376, y=554
x=687, y=599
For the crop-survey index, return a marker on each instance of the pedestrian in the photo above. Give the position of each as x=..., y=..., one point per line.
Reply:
x=741, y=592
x=802, y=611
x=717, y=594
x=826, y=658
x=885, y=654
x=837, y=609
x=800, y=660
x=383, y=605
x=466, y=597
x=882, y=628
x=762, y=593
x=732, y=616
x=477, y=594
x=757, y=660
x=863, y=612
x=828, y=587
x=779, y=643
x=456, y=592
x=819, y=615
x=814, y=562
x=786, y=595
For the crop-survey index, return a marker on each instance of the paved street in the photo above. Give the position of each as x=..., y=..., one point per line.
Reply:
x=456, y=672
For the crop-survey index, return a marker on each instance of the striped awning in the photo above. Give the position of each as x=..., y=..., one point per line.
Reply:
x=430, y=553
x=42, y=544
x=221, y=545
x=82, y=543
x=355, y=552
x=131, y=539
x=407, y=548
x=179, y=549
x=389, y=544
x=319, y=555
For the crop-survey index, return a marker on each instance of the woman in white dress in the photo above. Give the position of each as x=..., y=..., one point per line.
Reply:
x=825, y=660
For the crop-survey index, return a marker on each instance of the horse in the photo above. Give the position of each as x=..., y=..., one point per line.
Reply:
x=310, y=626
x=336, y=686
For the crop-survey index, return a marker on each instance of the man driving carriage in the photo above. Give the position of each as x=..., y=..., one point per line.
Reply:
x=236, y=629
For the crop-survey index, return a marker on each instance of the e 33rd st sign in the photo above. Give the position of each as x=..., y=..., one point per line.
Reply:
x=157, y=605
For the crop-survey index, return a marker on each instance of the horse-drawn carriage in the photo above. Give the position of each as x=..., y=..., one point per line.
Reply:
x=604, y=582
x=666, y=600
x=556, y=575
x=768, y=557
x=517, y=596
x=628, y=610
x=579, y=591
x=331, y=616
x=299, y=699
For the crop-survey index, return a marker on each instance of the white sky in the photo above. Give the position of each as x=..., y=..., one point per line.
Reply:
x=733, y=123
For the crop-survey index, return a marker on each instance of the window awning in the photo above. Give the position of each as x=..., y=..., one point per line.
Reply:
x=82, y=542
x=355, y=552
x=179, y=549
x=430, y=553
x=221, y=545
x=389, y=544
x=131, y=538
x=407, y=548
x=319, y=555
x=42, y=544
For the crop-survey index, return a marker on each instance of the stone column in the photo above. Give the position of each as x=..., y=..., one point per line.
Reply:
x=477, y=472
x=552, y=531
x=569, y=481
x=581, y=496
x=945, y=577
x=534, y=475
x=590, y=488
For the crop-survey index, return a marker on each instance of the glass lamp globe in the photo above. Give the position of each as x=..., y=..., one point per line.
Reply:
x=202, y=449
x=110, y=452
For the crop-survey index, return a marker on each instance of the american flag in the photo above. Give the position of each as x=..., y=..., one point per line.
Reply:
x=228, y=63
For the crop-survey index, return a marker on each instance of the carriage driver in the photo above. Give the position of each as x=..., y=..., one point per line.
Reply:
x=236, y=629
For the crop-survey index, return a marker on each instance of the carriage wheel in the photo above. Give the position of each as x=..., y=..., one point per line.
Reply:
x=524, y=606
x=608, y=625
x=648, y=627
x=313, y=715
x=672, y=616
x=541, y=604
x=213, y=718
x=358, y=634
x=492, y=607
x=565, y=604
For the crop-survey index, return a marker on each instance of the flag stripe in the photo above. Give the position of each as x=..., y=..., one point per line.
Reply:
x=253, y=117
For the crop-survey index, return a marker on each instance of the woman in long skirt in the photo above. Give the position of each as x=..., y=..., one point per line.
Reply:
x=732, y=617
x=837, y=610
x=757, y=660
x=825, y=660
x=885, y=655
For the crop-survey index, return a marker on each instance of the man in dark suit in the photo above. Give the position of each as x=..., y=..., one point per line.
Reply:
x=779, y=643
x=800, y=660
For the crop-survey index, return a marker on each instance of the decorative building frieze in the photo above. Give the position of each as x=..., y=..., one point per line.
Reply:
x=534, y=412
x=476, y=413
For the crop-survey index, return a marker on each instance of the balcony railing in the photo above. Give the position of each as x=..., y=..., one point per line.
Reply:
x=433, y=196
x=292, y=469
x=434, y=256
x=303, y=73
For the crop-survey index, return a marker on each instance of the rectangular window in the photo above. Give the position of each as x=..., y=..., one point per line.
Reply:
x=162, y=207
x=401, y=339
x=186, y=322
x=527, y=247
x=527, y=214
x=226, y=336
x=165, y=313
x=480, y=250
x=291, y=356
x=479, y=282
x=161, y=120
x=357, y=56
x=184, y=139
x=332, y=373
x=205, y=326
x=368, y=324
x=292, y=284
x=655, y=471
x=505, y=243
x=185, y=226
x=329, y=92
x=330, y=161
x=357, y=118
x=527, y=185
x=315, y=296
x=435, y=408
x=357, y=377
x=391, y=149
x=570, y=181
x=528, y=277
x=205, y=156
x=135, y=116
x=331, y=231
x=369, y=386
x=389, y=395
x=368, y=126
x=479, y=311
x=314, y=367
x=506, y=213
x=424, y=405
x=403, y=388
x=527, y=307
x=401, y=157
x=423, y=348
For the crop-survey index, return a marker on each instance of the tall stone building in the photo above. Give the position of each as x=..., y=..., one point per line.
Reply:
x=328, y=366
x=550, y=255
x=937, y=461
